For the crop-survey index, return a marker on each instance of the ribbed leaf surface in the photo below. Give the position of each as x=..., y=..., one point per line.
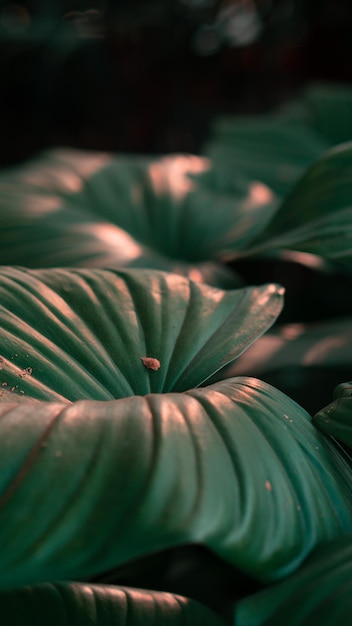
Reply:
x=82, y=334
x=236, y=466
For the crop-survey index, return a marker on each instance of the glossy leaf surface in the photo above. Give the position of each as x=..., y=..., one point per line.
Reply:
x=91, y=485
x=76, y=208
x=81, y=334
x=320, y=592
x=74, y=604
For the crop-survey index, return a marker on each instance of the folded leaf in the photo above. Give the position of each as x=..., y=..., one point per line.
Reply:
x=74, y=604
x=236, y=466
x=320, y=592
x=67, y=334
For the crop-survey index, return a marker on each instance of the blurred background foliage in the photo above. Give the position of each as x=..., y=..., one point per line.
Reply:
x=149, y=76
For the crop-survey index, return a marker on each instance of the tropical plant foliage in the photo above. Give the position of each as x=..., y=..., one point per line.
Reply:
x=132, y=428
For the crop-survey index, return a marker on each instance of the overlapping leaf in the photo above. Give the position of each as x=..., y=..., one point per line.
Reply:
x=68, y=604
x=288, y=151
x=76, y=208
x=69, y=334
x=320, y=592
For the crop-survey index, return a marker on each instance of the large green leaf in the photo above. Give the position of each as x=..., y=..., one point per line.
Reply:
x=73, y=334
x=74, y=604
x=318, y=593
x=316, y=217
x=76, y=208
x=236, y=466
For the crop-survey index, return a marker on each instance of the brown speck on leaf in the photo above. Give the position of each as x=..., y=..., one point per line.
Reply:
x=150, y=363
x=268, y=485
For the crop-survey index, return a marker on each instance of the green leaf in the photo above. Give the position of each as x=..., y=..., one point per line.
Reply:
x=336, y=418
x=316, y=217
x=320, y=592
x=236, y=466
x=68, y=604
x=76, y=208
x=79, y=334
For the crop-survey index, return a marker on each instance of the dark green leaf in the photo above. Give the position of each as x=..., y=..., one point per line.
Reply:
x=72, y=208
x=318, y=593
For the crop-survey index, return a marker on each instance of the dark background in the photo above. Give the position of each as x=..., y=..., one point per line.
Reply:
x=149, y=76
